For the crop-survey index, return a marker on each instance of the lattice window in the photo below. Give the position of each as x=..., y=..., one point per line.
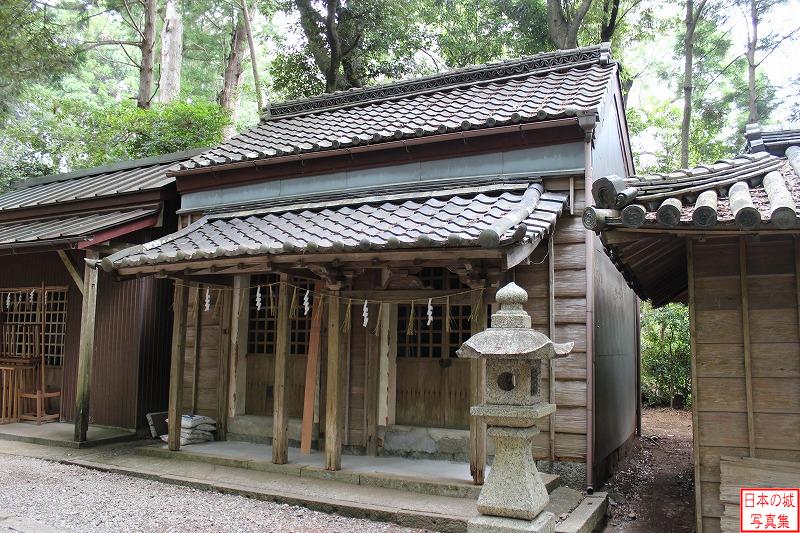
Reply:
x=22, y=318
x=261, y=324
x=433, y=341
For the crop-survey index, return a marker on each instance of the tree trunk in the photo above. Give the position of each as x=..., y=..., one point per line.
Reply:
x=752, y=43
x=147, y=47
x=688, y=57
x=228, y=96
x=610, y=19
x=253, y=58
x=564, y=32
x=332, y=33
x=171, y=53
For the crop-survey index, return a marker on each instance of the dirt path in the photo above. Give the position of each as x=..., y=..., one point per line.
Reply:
x=653, y=487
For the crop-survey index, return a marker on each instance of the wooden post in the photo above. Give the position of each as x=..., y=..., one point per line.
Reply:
x=698, y=494
x=477, y=374
x=198, y=326
x=280, y=416
x=551, y=326
x=333, y=401
x=237, y=379
x=372, y=369
x=86, y=349
x=224, y=309
x=180, y=308
x=748, y=373
x=312, y=371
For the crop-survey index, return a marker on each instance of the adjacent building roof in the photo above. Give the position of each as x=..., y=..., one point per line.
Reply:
x=534, y=88
x=749, y=192
x=466, y=215
x=65, y=230
x=752, y=192
x=87, y=184
x=772, y=139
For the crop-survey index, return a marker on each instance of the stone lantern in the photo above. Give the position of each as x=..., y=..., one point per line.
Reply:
x=514, y=496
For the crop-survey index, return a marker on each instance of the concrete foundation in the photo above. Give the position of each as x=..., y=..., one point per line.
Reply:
x=544, y=523
x=453, y=445
x=62, y=434
x=258, y=429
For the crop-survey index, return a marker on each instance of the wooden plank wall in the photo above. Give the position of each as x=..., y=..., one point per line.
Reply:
x=570, y=325
x=746, y=394
x=204, y=376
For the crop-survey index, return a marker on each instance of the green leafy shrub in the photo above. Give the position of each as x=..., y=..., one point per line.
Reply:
x=666, y=355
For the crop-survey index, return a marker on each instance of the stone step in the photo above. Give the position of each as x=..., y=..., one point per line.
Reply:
x=589, y=516
x=420, y=484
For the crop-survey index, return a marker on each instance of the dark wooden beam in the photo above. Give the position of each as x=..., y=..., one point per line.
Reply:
x=280, y=417
x=180, y=307
x=477, y=374
x=86, y=350
x=333, y=401
x=312, y=371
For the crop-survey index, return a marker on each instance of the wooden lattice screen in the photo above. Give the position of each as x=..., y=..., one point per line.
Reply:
x=433, y=340
x=21, y=314
x=262, y=323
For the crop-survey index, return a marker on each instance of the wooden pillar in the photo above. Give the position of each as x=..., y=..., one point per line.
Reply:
x=198, y=335
x=551, y=326
x=180, y=308
x=312, y=371
x=86, y=349
x=237, y=379
x=477, y=374
x=372, y=370
x=748, y=373
x=280, y=416
x=698, y=494
x=333, y=401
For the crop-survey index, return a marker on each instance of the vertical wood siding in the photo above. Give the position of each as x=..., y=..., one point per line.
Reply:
x=570, y=321
x=721, y=385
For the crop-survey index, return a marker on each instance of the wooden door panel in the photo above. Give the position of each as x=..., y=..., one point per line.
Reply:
x=260, y=379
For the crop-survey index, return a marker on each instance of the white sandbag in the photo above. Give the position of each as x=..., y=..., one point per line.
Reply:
x=206, y=427
x=196, y=434
x=190, y=421
x=184, y=441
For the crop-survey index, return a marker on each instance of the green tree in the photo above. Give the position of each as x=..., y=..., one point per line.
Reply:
x=73, y=134
x=33, y=46
x=666, y=353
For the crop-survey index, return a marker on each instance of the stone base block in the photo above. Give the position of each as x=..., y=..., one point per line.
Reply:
x=544, y=523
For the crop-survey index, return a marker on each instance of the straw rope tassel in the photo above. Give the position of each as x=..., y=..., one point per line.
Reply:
x=293, y=305
x=473, y=315
x=346, y=323
x=410, y=327
x=271, y=301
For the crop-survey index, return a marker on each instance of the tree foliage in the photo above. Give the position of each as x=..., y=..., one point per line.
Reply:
x=33, y=46
x=666, y=353
x=41, y=139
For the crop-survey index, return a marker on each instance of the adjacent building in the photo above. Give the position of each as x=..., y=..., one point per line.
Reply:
x=723, y=238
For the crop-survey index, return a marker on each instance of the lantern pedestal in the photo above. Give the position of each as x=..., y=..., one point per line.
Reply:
x=544, y=523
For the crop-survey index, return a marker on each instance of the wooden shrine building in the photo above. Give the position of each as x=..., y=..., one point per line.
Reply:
x=724, y=238
x=75, y=344
x=332, y=259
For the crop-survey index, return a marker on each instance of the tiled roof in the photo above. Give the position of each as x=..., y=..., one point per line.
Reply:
x=118, y=178
x=749, y=192
x=74, y=228
x=516, y=212
x=772, y=139
x=534, y=88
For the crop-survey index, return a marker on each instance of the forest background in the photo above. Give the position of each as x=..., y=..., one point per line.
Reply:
x=88, y=82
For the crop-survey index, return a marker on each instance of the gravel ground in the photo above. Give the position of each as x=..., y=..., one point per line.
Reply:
x=71, y=498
